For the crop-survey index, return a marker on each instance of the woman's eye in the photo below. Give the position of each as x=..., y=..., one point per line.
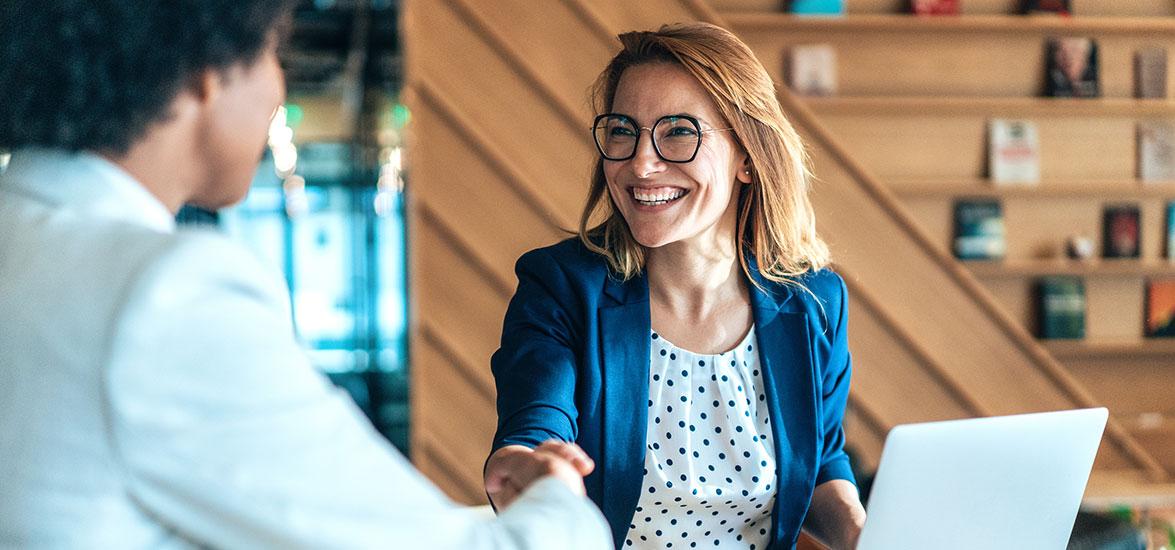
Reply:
x=620, y=131
x=682, y=131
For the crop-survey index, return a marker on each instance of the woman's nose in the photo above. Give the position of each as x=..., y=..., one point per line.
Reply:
x=645, y=160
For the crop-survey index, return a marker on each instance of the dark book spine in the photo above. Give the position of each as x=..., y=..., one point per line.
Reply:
x=1061, y=307
x=1045, y=6
x=979, y=230
x=1120, y=232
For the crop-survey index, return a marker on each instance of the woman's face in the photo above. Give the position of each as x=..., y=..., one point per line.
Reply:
x=665, y=202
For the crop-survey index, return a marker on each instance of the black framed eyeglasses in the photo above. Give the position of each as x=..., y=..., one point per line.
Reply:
x=676, y=138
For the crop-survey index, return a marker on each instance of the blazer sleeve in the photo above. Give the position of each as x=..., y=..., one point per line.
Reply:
x=227, y=434
x=834, y=463
x=535, y=369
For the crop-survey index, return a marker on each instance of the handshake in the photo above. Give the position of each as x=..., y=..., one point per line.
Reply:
x=513, y=468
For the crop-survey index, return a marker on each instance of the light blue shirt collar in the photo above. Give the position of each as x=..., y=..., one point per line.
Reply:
x=86, y=184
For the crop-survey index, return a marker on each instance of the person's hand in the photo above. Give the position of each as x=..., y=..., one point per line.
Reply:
x=513, y=468
x=836, y=516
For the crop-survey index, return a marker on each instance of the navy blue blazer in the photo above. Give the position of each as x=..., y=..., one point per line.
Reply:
x=574, y=366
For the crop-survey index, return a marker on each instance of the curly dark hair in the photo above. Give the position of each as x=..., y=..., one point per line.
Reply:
x=95, y=74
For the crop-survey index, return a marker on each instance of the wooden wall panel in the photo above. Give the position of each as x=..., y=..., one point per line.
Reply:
x=465, y=303
x=570, y=70
x=457, y=423
x=895, y=381
x=626, y=15
x=472, y=199
x=864, y=439
x=552, y=151
x=1137, y=385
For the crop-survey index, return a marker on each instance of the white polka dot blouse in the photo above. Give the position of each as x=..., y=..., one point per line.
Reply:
x=709, y=462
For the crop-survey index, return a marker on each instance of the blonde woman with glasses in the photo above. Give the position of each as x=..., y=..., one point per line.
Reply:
x=688, y=351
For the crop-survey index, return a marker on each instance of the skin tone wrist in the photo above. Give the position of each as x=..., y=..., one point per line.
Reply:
x=836, y=515
x=514, y=468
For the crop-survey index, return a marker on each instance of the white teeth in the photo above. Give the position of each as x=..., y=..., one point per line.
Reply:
x=654, y=198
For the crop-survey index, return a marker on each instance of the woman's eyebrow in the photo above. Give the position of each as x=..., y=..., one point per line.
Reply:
x=670, y=115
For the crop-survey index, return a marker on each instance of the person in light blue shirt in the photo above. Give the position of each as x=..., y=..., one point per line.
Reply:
x=152, y=393
x=692, y=339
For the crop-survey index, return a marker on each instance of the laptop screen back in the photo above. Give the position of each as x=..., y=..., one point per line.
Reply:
x=1005, y=482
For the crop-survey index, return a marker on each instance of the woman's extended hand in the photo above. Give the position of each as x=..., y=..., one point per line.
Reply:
x=513, y=468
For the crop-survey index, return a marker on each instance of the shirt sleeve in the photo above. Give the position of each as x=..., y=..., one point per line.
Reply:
x=535, y=369
x=227, y=434
x=837, y=373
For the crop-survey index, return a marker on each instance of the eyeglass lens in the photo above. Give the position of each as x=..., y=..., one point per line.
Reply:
x=675, y=138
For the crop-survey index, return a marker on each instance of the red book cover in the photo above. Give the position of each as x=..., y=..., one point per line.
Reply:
x=1046, y=6
x=1160, y=308
x=934, y=7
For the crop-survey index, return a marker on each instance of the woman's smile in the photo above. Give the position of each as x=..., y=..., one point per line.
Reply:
x=656, y=198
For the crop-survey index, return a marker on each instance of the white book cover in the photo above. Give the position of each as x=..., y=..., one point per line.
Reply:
x=1013, y=152
x=812, y=69
x=1156, y=151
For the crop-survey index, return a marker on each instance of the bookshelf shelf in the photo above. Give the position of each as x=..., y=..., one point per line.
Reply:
x=1108, y=190
x=1111, y=349
x=1092, y=268
x=993, y=106
x=903, y=23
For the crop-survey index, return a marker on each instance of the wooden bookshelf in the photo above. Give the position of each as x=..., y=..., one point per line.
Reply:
x=1111, y=349
x=1097, y=267
x=914, y=98
x=987, y=24
x=1106, y=190
x=1023, y=107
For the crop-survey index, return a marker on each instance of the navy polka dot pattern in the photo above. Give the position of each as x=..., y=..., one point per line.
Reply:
x=710, y=461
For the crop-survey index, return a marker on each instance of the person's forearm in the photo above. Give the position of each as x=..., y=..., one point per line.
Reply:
x=836, y=515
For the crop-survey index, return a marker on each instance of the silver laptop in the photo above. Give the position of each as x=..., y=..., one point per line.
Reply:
x=1006, y=483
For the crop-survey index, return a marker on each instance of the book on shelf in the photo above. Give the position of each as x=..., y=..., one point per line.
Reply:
x=811, y=69
x=1169, y=235
x=1160, y=308
x=1030, y=7
x=934, y=7
x=979, y=230
x=1150, y=73
x=1061, y=307
x=817, y=7
x=1071, y=67
x=1013, y=154
x=1156, y=150
x=1120, y=231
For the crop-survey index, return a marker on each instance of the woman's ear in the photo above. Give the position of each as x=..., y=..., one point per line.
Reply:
x=744, y=170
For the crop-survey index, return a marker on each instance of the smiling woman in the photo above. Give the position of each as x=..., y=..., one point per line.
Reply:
x=692, y=344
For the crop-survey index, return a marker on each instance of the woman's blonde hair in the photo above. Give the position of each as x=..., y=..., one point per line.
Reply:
x=776, y=222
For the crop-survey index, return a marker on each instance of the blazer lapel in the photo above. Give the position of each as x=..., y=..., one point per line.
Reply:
x=784, y=352
x=625, y=348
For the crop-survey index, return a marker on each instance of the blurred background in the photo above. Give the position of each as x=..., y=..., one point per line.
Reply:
x=327, y=204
